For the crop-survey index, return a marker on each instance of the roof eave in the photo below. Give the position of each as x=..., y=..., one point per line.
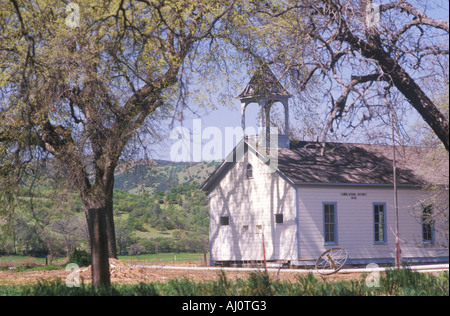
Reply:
x=258, y=97
x=360, y=184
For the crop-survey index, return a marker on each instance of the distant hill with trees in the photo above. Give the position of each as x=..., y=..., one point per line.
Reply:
x=158, y=208
x=159, y=175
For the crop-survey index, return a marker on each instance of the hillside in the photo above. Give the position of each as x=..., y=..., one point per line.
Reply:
x=158, y=175
x=158, y=207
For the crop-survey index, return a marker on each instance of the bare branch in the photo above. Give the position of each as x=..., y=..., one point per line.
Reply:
x=419, y=16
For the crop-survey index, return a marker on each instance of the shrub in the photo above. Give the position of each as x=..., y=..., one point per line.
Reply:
x=81, y=258
x=259, y=284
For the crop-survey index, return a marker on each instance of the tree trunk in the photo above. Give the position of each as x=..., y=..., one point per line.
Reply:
x=97, y=225
x=100, y=219
x=110, y=229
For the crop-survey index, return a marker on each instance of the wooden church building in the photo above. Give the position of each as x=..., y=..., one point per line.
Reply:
x=303, y=198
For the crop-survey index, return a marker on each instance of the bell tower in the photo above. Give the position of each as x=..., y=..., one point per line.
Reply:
x=265, y=90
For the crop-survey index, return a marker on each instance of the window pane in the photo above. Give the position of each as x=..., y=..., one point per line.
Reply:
x=379, y=222
x=249, y=171
x=279, y=218
x=331, y=229
x=329, y=223
x=381, y=213
x=330, y=237
x=426, y=232
x=331, y=208
x=427, y=223
x=224, y=220
x=381, y=233
x=381, y=217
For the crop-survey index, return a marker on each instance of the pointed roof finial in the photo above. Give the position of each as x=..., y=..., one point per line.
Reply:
x=264, y=84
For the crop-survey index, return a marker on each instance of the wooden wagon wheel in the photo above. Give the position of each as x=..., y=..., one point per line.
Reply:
x=331, y=261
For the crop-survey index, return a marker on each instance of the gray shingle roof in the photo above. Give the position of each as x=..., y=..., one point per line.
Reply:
x=363, y=164
x=351, y=164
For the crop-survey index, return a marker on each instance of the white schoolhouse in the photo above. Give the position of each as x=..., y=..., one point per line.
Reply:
x=307, y=197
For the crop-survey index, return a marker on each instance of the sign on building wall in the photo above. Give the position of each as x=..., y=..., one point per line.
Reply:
x=354, y=195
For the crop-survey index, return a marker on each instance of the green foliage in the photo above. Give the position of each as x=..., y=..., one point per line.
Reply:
x=183, y=287
x=395, y=283
x=259, y=284
x=45, y=220
x=81, y=258
x=58, y=288
x=11, y=290
x=79, y=94
x=54, y=216
x=223, y=286
x=182, y=210
x=406, y=282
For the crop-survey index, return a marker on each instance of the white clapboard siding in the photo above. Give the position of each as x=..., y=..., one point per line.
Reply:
x=355, y=229
x=252, y=203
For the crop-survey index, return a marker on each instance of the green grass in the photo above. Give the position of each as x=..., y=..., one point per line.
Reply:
x=23, y=263
x=14, y=261
x=27, y=261
x=393, y=283
x=163, y=257
x=36, y=268
x=151, y=232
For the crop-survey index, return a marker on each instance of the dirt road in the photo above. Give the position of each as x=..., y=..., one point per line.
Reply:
x=127, y=274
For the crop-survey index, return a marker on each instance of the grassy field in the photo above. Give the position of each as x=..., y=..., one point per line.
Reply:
x=26, y=261
x=403, y=282
x=158, y=258
x=164, y=258
x=393, y=283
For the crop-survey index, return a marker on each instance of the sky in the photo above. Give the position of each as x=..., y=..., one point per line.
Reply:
x=213, y=125
x=210, y=125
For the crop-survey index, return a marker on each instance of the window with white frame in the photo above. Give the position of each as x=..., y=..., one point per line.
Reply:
x=379, y=221
x=427, y=224
x=330, y=222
